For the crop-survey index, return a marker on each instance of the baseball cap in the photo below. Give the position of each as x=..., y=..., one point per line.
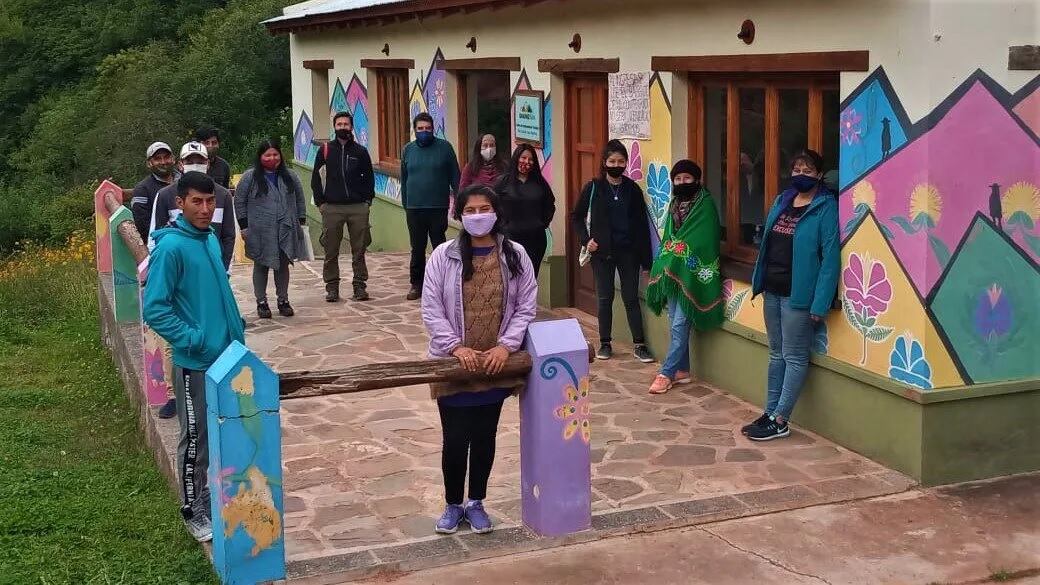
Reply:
x=156, y=147
x=191, y=148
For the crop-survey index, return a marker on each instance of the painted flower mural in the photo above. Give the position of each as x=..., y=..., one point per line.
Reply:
x=907, y=363
x=659, y=188
x=867, y=295
x=1020, y=204
x=993, y=316
x=733, y=300
x=851, y=131
x=634, y=170
x=926, y=206
x=864, y=200
x=576, y=407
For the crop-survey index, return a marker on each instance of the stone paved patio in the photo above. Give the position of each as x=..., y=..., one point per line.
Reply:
x=363, y=471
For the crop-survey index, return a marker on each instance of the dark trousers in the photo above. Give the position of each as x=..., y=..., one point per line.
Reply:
x=533, y=243
x=424, y=224
x=468, y=431
x=355, y=217
x=626, y=266
x=189, y=387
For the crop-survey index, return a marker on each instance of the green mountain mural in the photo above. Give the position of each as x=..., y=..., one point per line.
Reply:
x=986, y=302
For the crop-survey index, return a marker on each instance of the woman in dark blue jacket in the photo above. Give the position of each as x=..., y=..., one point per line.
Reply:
x=797, y=269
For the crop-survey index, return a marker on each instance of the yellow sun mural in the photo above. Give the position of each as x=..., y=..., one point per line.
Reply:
x=1022, y=197
x=925, y=202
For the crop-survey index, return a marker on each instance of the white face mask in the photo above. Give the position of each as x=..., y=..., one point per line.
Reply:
x=201, y=168
x=488, y=153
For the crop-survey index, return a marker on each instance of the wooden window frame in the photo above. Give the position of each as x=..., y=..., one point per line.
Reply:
x=738, y=257
x=393, y=114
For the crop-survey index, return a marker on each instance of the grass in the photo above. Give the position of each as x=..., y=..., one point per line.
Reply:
x=81, y=498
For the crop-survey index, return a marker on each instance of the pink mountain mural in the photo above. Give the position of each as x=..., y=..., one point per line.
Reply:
x=1029, y=110
x=977, y=156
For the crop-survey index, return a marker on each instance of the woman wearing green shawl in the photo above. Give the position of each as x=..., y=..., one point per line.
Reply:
x=685, y=277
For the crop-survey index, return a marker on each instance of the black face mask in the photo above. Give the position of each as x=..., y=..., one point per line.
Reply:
x=615, y=172
x=344, y=134
x=686, y=190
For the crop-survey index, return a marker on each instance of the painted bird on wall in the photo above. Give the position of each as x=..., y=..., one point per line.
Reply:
x=996, y=211
x=886, y=137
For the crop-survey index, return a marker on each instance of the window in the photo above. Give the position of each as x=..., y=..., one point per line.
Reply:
x=394, y=123
x=744, y=129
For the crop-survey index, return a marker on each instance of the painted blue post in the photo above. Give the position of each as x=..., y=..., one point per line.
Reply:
x=245, y=468
x=124, y=270
x=555, y=431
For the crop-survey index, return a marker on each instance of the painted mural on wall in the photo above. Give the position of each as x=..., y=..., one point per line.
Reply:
x=940, y=244
x=650, y=160
x=953, y=211
x=353, y=99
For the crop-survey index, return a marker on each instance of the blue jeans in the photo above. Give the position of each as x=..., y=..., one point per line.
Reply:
x=678, y=358
x=790, y=333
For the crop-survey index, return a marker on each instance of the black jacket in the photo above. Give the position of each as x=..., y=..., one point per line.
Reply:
x=348, y=174
x=142, y=200
x=220, y=172
x=638, y=227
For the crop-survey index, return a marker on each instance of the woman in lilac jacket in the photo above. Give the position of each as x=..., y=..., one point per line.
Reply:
x=479, y=296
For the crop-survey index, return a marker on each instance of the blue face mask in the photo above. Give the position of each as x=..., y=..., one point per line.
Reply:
x=804, y=183
x=424, y=138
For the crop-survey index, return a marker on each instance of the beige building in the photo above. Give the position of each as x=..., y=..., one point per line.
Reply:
x=927, y=112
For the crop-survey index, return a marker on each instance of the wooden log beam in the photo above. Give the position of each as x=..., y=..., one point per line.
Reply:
x=309, y=383
x=128, y=231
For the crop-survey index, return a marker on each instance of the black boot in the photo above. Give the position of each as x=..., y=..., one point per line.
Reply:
x=285, y=309
x=263, y=310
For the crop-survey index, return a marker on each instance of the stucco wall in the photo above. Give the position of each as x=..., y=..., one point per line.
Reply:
x=913, y=182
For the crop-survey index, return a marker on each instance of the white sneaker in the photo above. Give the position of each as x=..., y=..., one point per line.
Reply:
x=200, y=527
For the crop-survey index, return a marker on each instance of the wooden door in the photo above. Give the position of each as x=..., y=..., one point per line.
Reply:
x=586, y=137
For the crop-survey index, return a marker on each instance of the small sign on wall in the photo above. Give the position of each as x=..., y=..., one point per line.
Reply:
x=628, y=105
x=527, y=117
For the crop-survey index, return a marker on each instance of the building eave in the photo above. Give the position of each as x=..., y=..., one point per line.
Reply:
x=382, y=14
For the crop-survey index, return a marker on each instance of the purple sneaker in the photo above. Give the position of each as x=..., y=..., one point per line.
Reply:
x=478, y=519
x=450, y=519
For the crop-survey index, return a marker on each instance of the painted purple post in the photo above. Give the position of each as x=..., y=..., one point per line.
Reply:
x=555, y=471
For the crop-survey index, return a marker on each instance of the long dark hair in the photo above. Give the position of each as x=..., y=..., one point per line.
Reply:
x=476, y=160
x=512, y=175
x=466, y=241
x=282, y=170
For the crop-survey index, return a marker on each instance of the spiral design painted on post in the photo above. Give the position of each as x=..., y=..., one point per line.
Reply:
x=549, y=369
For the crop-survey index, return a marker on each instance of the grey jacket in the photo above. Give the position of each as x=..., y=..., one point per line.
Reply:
x=273, y=218
x=164, y=211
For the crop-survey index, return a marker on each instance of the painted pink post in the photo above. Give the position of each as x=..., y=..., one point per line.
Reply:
x=555, y=472
x=102, y=233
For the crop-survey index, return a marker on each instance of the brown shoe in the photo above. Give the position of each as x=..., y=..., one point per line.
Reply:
x=414, y=293
x=332, y=296
x=360, y=294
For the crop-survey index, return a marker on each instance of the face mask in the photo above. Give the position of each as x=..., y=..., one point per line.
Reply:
x=488, y=153
x=479, y=224
x=424, y=138
x=163, y=170
x=686, y=190
x=804, y=183
x=615, y=172
x=524, y=167
x=344, y=134
x=270, y=165
x=198, y=168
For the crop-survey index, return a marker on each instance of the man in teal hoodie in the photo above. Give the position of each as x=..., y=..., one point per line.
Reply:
x=429, y=177
x=188, y=302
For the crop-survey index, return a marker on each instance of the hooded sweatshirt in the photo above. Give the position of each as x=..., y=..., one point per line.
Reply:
x=187, y=297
